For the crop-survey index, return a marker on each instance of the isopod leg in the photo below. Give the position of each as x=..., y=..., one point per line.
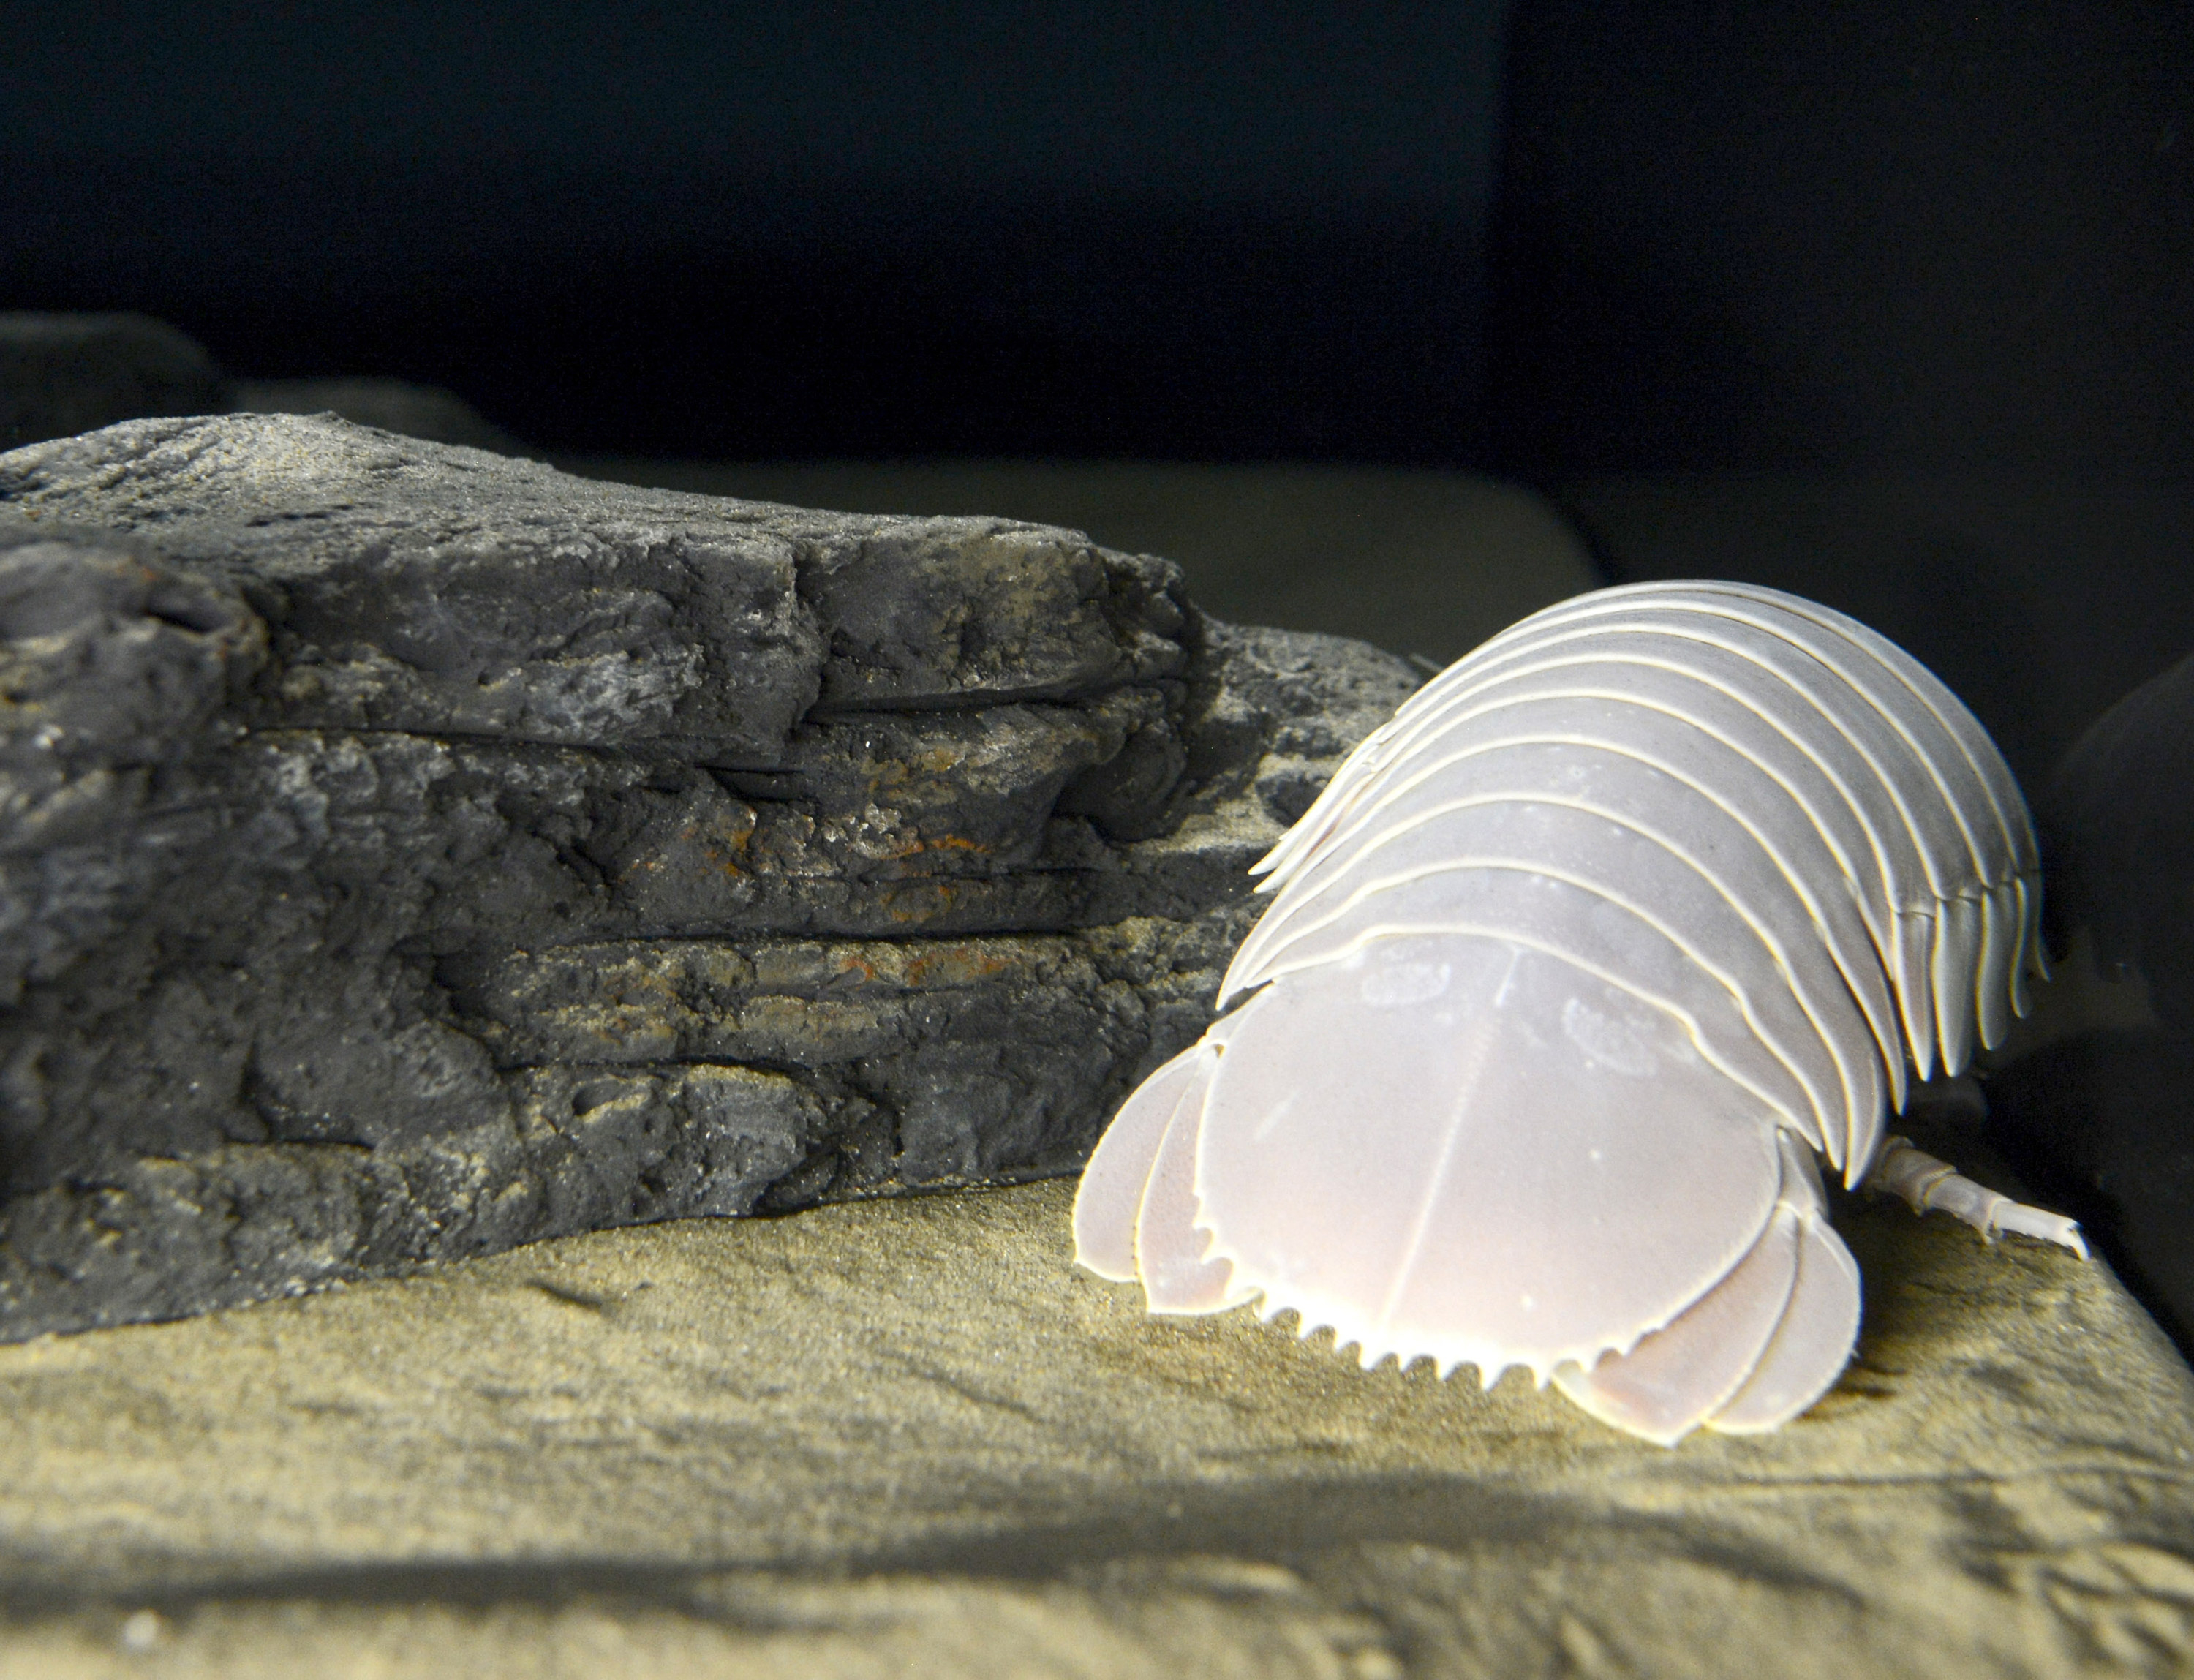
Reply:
x=1929, y=1185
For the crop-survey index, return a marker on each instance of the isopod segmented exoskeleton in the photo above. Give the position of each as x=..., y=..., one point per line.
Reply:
x=1569, y=975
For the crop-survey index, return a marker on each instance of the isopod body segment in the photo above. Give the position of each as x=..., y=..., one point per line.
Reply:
x=1570, y=976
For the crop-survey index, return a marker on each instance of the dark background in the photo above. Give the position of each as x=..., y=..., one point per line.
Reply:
x=1563, y=239
x=793, y=229
x=1953, y=237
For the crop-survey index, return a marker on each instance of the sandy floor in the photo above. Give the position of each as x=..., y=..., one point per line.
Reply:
x=911, y=1436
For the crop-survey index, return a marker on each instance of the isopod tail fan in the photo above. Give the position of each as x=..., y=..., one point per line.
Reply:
x=1388, y=1146
x=1753, y=1351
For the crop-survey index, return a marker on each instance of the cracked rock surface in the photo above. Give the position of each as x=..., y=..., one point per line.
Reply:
x=407, y=852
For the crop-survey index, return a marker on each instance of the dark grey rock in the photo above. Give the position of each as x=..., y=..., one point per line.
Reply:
x=65, y=373
x=408, y=852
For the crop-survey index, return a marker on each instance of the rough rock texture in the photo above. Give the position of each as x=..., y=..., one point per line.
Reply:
x=64, y=373
x=908, y=1438
x=406, y=852
x=1419, y=562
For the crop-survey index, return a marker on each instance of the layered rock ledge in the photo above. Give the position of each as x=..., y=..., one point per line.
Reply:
x=407, y=852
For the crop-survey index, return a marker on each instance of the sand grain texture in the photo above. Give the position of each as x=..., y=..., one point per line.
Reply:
x=910, y=1437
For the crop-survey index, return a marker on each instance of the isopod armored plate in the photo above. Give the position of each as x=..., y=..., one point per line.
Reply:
x=1570, y=976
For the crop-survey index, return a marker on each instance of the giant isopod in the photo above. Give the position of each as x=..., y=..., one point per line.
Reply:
x=1570, y=975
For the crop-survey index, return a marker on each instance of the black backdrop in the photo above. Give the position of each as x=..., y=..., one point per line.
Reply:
x=1943, y=237
x=780, y=230
x=1721, y=236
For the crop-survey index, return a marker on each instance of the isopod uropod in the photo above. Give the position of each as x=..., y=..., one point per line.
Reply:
x=1569, y=975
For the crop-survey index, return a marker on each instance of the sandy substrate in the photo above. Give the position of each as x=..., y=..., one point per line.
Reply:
x=911, y=1437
